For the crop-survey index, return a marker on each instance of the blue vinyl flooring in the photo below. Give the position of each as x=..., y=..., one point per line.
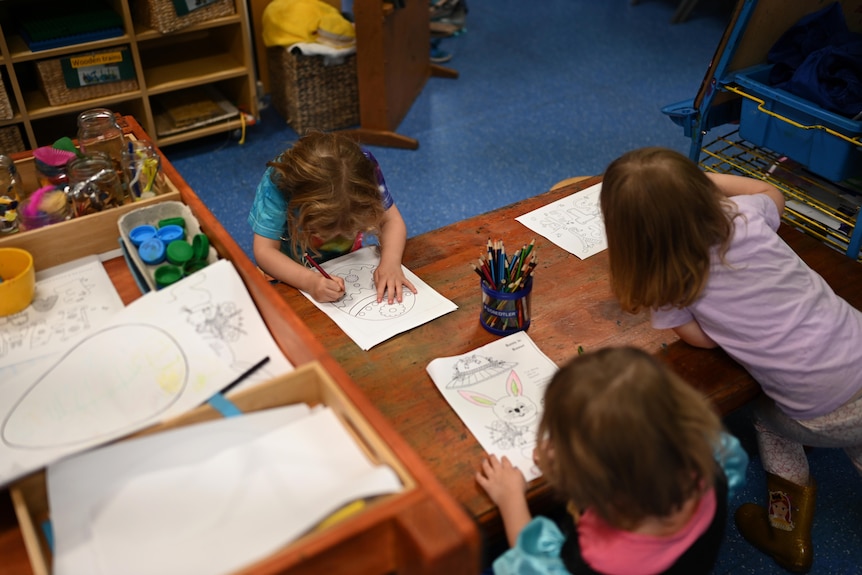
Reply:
x=547, y=90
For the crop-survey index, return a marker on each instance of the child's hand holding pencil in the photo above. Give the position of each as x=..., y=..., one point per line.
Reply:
x=326, y=288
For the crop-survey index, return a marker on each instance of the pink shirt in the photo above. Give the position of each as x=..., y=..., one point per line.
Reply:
x=617, y=552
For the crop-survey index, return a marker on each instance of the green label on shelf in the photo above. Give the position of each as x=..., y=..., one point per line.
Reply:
x=89, y=69
x=183, y=7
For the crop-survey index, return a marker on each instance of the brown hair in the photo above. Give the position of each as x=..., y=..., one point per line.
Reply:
x=330, y=186
x=662, y=217
x=626, y=437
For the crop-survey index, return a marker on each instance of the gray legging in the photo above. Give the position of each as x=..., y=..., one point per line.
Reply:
x=781, y=438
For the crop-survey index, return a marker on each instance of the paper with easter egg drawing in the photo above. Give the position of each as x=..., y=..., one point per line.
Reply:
x=497, y=391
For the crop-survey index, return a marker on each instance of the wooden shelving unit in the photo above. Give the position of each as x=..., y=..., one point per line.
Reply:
x=216, y=53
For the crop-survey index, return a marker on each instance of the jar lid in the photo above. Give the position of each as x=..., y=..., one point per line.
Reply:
x=152, y=251
x=177, y=221
x=142, y=233
x=201, y=247
x=166, y=275
x=171, y=233
x=179, y=252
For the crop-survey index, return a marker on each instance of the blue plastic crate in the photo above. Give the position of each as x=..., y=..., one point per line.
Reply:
x=795, y=133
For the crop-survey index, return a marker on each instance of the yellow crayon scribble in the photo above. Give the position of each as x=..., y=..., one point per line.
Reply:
x=171, y=381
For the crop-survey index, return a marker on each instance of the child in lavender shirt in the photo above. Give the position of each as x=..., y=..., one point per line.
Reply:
x=702, y=253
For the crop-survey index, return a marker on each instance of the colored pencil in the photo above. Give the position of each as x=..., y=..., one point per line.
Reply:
x=317, y=266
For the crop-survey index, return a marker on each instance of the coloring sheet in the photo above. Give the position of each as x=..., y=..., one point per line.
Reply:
x=358, y=313
x=207, y=498
x=574, y=223
x=70, y=300
x=215, y=303
x=497, y=390
x=151, y=361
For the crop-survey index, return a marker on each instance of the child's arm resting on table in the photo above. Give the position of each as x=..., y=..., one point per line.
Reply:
x=731, y=185
x=692, y=334
x=506, y=486
x=389, y=277
x=269, y=257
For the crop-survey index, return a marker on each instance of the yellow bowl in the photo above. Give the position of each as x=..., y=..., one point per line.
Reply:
x=19, y=280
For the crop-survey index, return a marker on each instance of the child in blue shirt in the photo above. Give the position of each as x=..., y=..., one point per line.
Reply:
x=320, y=197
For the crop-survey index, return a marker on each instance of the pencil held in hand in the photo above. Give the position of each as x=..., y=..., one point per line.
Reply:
x=316, y=266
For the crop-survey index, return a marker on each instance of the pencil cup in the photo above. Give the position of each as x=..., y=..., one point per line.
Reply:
x=506, y=312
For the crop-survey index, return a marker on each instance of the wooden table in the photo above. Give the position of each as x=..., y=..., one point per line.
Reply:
x=572, y=306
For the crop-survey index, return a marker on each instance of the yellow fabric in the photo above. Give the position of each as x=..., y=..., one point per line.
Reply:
x=287, y=22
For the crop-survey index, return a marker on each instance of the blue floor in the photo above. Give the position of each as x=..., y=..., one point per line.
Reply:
x=547, y=90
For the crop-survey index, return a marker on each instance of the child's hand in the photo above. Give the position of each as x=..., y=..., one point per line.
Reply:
x=327, y=290
x=502, y=481
x=390, y=280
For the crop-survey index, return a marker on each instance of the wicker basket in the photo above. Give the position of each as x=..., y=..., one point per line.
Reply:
x=6, y=111
x=53, y=83
x=162, y=14
x=10, y=140
x=310, y=94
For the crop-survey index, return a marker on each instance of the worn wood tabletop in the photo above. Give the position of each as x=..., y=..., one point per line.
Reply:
x=572, y=306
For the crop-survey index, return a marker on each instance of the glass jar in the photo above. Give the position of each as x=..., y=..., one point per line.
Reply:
x=47, y=205
x=98, y=131
x=93, y=184
x=11, y=193
x=143, y=168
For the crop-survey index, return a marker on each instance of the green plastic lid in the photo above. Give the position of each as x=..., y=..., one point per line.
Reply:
x=200, y=247
x=179, y=252
x=177, y=221
x=166, y=275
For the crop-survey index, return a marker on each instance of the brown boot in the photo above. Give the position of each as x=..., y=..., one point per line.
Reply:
x=782, y=531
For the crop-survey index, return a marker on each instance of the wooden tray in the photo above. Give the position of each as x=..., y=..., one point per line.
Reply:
x=309, y=384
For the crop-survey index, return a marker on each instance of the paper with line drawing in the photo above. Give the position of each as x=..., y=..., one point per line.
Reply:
x=166, y=353
x=574, y=223
x=497, y=391
x=358, y=313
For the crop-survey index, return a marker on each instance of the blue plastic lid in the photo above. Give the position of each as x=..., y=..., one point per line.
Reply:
x=171, y=233
x=152, y=251
x=140, y=234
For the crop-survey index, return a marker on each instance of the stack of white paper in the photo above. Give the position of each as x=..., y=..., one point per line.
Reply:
x=207, y=498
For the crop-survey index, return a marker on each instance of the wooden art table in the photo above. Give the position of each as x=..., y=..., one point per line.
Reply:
x=572, y=306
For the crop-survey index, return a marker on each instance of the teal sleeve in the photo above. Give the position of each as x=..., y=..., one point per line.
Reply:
x=269, y=211
x=734, y=461
x=537, y=551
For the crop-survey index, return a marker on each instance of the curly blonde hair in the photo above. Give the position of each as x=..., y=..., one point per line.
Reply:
x=626, y=437
x=662, y=218
x=330, y=186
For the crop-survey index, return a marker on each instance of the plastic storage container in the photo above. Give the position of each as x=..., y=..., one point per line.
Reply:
x=792, y=126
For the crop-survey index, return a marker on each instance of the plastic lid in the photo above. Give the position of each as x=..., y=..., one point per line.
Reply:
x=152, y=251
x=171, y=233
x=201, y=247
x=166, y=275
x=179, y=252
x=140, y=234
x=193, y=266
x=177, y=221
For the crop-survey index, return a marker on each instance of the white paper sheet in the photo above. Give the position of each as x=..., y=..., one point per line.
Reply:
x=215, y=303
x=358, y=313
x=574, y=223
x=208, y=498
x=497, y=391
x=151, y=361
x=70, y=300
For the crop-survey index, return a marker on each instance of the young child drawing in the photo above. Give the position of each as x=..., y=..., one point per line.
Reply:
x=320, y=197
x=702, y=253
x=631, y=447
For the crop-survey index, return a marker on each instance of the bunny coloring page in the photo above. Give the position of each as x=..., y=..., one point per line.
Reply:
x=497, y=391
